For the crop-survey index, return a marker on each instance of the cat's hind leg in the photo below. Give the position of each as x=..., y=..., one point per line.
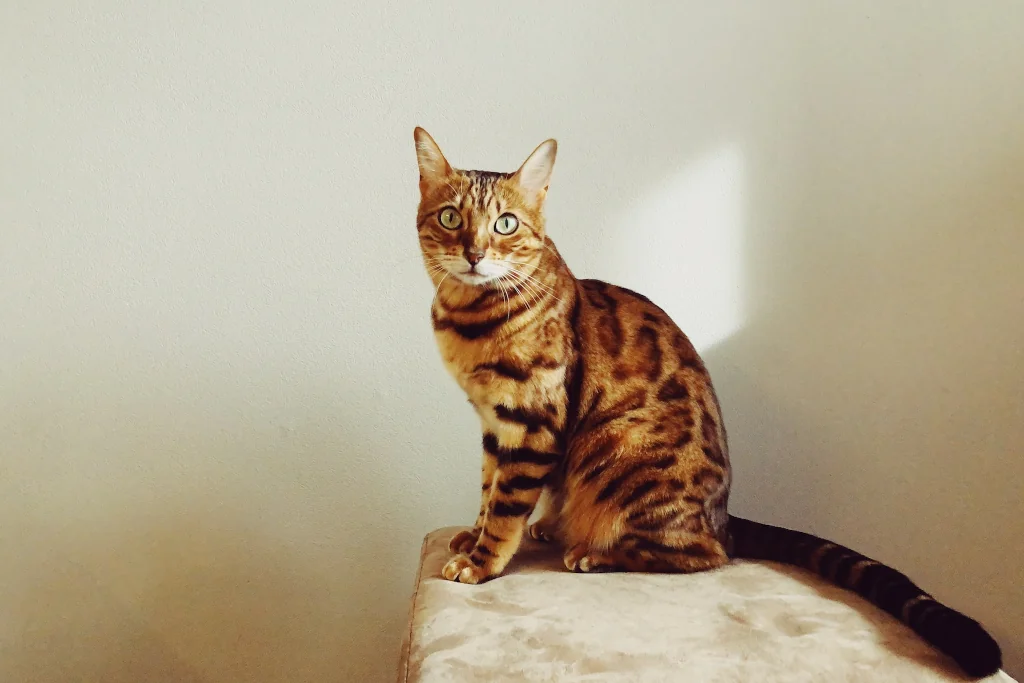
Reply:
x=664, y=552
x=546, y=528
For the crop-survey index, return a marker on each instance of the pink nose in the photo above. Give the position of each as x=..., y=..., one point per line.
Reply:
x=474, y=256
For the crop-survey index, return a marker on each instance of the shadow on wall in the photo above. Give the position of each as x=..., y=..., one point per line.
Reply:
x=196, y=574
x=868, y=347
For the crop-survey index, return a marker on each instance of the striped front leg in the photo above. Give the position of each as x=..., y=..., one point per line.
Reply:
x=464, y=541
x=517, y=483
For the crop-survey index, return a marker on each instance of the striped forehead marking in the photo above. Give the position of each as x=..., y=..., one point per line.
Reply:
x=481, y=189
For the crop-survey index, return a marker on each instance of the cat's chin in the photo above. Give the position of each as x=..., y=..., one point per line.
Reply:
x=475, y=279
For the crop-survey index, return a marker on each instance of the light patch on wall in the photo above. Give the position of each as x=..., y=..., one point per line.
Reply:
x=681, y=245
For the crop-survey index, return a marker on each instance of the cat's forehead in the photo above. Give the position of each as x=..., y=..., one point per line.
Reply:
x=481, y=188
x=485, y=177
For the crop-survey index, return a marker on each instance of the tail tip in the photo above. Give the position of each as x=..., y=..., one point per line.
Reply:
x=981, y=658
x=972, y=647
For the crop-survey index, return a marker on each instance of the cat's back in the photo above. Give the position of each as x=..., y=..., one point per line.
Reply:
x=624, y=337
x=643, y=387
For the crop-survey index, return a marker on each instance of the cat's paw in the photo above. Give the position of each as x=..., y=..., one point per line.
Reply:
x=542, y=531
x=573, y=555
x=581, y=559
x=464, y=541
x=463, y=569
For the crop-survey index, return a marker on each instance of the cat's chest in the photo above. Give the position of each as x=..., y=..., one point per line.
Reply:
x=469, y=361
x=501, y=371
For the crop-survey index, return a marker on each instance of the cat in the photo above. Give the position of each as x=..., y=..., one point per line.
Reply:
x=590, y=393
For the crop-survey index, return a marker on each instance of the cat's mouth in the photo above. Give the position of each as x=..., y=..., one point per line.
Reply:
x=480, y=274
x=473, y=278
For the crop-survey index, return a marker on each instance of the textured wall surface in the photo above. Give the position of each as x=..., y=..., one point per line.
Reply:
x=224, y=428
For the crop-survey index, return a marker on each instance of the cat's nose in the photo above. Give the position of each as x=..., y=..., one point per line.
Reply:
x=474, y=256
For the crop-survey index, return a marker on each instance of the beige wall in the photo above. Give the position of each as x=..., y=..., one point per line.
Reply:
x=223, y=425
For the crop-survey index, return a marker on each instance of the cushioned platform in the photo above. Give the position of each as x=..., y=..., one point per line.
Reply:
x=745, y=622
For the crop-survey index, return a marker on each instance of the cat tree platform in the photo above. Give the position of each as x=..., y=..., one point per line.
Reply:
x=745, y=622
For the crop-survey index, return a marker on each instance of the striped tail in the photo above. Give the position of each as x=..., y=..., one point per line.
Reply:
x=949, y=631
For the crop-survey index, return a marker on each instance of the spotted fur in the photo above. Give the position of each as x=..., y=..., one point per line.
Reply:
x=589, y=392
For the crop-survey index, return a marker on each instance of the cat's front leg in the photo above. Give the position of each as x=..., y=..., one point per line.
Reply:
x=519, y=477
x=464, y=541
x=504, y=524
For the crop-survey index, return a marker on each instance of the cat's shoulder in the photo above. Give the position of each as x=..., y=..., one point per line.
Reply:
x=618, y=299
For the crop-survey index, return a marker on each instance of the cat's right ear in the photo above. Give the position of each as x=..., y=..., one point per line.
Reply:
x=433, y=166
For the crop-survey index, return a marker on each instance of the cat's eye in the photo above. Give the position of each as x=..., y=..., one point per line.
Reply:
x=450, y=218
x=506, y=224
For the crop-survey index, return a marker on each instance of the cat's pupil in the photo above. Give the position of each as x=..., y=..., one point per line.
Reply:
x=506, y=224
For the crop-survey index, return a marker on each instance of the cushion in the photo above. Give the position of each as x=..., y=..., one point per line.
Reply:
x=748, y=621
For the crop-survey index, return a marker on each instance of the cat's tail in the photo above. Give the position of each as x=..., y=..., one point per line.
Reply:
x=949, y=631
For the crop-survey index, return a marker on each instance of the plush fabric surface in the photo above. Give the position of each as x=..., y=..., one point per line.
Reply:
x=745, y=622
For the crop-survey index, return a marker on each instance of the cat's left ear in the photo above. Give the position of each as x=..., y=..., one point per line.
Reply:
x=534, y=175
x=433, y=166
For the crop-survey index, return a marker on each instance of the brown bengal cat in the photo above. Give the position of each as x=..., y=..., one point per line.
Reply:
x=591, y=393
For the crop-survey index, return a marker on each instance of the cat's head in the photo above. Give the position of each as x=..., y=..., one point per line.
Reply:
x=481, y=227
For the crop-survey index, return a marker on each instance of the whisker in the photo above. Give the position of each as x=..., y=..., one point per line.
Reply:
x=536, y=269
x=536, y=283
x=526, y=299
x=543, y=286
x=508, y=302
x=436, y=291
x=536, y=293
x=504, y=294
x=533, y=296
x=536, y=296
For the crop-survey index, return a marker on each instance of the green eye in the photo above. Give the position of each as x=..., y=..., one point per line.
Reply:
x=450, y=218
x=506, y=225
